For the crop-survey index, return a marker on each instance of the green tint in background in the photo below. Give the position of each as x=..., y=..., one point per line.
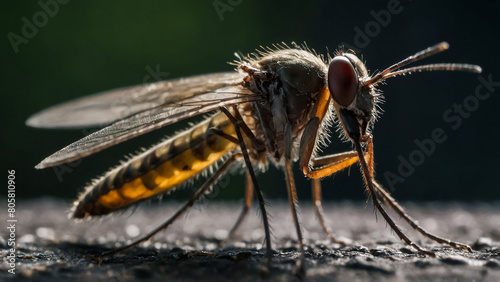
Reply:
x=92, y=46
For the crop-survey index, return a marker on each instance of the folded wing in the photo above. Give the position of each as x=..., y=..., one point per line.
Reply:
x=137, y=110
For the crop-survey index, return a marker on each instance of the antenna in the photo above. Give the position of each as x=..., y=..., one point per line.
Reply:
x=394, y=70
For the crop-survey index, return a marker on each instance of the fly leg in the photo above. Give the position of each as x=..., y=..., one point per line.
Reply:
x=392, y=203
x=368, y=171
x=248, y=189
x=246, y=206
x=199, y=194
x=317, y=167
x=239, y=125
x=292, y=197
x=318, y=207
x=333, y=163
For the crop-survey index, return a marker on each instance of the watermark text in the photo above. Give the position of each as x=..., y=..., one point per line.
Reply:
x=11, y=221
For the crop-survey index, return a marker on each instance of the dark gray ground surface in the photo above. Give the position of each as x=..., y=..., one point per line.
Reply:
x=51, y=247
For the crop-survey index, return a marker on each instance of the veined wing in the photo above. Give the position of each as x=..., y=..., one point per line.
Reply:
x=218, y=90
x=104, y=108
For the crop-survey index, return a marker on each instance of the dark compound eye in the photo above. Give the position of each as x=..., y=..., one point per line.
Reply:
x=342, y=81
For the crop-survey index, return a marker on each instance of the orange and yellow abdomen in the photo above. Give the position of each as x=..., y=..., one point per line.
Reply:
x=158, y=169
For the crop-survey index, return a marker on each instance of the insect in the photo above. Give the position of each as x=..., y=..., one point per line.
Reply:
x=276, y=108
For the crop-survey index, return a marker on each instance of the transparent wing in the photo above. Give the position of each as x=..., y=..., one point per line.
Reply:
x=107, y=107
x=218, y=90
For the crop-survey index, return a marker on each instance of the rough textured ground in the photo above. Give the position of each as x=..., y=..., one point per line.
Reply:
x=51, y=247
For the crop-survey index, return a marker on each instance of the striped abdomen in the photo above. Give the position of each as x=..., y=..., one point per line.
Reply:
x=158, y=169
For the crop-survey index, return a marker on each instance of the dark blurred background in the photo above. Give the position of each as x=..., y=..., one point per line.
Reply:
x=53, y=52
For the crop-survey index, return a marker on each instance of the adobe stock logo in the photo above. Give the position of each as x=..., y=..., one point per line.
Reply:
x=39, y=19
x=381, y=19
x=223, y=6
x=453, y=117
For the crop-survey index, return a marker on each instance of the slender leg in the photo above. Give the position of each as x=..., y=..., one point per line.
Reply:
x=248, y=189
x=224, y=135
x=328, y=165
x=392, y=203
x=318, y=167
x=367, y=173
x=201, y=191
x=256, y=144
x=338, y=162
x=316, y=196
x=262, y=204
x=240, y=125
x=292, y=198
x=307, y=144
x=333, y=159
x=246, y=206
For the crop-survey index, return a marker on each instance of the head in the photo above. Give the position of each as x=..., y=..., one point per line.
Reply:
x=355, y=95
